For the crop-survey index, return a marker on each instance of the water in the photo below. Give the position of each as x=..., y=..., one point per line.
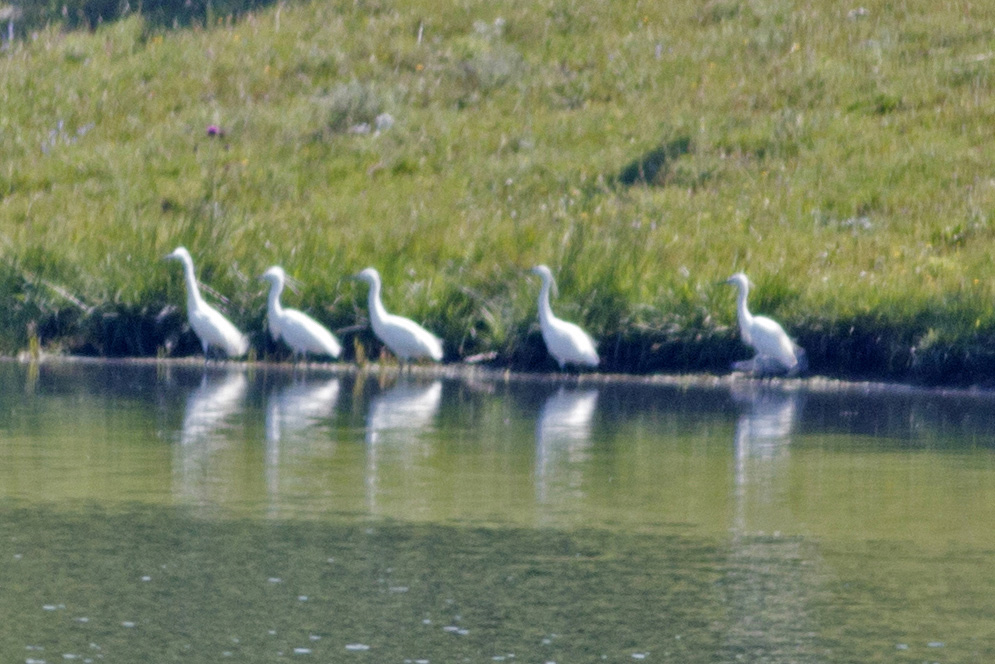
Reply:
x=158, y=513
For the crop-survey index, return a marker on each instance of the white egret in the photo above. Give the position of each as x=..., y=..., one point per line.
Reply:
x=405, y=338
x=301, y=332
x=776, y=353
x=566, y=342
x=212, y=328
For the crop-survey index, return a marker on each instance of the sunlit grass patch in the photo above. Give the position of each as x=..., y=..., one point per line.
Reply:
x=835, y=155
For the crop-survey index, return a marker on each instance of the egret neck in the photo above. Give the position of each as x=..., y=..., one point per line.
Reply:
x=193, y=291
x=377, y=312
x=275, y=290
x=745, y=317
x=545, y=311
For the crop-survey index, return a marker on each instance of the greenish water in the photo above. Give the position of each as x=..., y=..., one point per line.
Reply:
x=161, y=513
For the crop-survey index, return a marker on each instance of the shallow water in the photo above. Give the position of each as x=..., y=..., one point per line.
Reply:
x=160, y=513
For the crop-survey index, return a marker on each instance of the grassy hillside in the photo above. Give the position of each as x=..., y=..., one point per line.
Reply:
x=838, y=153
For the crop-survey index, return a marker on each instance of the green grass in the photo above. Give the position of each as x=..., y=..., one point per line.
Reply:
x=645, y=151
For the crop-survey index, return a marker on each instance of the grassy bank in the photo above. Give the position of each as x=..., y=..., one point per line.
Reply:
x=840, y=155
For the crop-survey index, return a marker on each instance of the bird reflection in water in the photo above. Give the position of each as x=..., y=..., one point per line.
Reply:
x=205, y=420
x=767, y=588
x=293, y=416
x=399, y=411
x=396, y=418
x=293, y=409
x=563, y=441
x=210, y=404
x=762, y=443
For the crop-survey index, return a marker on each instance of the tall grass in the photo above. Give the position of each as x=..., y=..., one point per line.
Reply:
x=838, y=154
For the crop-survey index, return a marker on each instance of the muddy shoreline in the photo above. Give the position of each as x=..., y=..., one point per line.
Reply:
x=488, y=374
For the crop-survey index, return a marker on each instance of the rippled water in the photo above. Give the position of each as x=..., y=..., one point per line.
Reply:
x=161, y=513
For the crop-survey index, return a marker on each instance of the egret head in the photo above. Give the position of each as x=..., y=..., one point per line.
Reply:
x=740, y=281
x=274, y=275
x=179, y=254
x=542, y=271
x=369, y=275
x=547, y=277
x=277, y=279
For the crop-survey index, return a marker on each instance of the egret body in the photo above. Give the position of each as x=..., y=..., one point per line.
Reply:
x=775, y=350
x=301, y=332
x=211, y=327
x=405, y=338
x=566, y=342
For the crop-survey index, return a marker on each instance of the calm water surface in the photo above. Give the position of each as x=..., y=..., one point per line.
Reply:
x=164, y=513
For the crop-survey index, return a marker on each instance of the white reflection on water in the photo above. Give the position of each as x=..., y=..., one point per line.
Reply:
x=402, y=409
x=292, y=414
x=210, y=404
x=393, y=422
x=767, y=586
x=563, y=441
x=762, y=442
x=295, y=408
x=765, y=422
x=209, y=407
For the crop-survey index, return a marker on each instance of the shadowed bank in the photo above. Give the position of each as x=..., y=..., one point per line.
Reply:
x=158, y=14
